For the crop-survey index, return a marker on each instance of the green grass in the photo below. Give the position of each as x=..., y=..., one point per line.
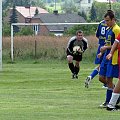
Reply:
x=45, y=91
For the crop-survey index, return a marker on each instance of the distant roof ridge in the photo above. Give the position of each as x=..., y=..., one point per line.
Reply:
x=29, y=11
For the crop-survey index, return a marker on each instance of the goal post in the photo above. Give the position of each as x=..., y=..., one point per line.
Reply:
x=1, y=35
x=36, y=24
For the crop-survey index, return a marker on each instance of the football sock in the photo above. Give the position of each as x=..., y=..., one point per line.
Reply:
x=71, y=67
x=76, y=70
x=114, y=99
x=108, y=94
x=94, y=73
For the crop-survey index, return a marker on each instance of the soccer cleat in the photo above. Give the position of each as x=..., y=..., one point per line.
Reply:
x=104, y=86
x=87, y=81
x=74, y=76
x=104, y=105
x=111, y=107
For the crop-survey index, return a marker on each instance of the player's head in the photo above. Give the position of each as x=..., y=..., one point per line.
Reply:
x=109, y=18
x=79, y=35
x=110, y=10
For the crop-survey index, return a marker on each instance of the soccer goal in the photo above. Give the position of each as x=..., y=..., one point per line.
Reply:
x=38, y=42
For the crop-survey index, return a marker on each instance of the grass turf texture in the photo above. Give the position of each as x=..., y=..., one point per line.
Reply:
x=45, y=91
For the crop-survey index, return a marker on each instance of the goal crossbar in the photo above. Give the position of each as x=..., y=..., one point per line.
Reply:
x=25, y=24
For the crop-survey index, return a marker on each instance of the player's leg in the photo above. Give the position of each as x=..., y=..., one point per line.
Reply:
x=115, y=97
x=112, y=71
x=97, y=62
x=77, y=68
x=70, y=64
x=109, y=90
x=77, y=59
x=102, y=79
x=95, y=72
x=91, y=76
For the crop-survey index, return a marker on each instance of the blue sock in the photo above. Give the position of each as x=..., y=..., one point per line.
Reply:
x=108, y=94
x=94, y=73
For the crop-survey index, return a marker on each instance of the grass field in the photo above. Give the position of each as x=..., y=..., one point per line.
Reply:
x=45, y=91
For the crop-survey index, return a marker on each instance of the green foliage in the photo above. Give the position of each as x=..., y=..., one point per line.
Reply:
x=93, y=13
x=83, y=14
x=13, y=17
x=6, y=30
x=88, y=29
x=69, y=6
x=36, y=11
x=101, y=9
x=25, y=31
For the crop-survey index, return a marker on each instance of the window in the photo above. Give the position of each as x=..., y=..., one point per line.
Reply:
x=89, y=1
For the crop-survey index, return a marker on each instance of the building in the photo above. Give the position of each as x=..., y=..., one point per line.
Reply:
x=112, y=1
x=24, y=14
x=85, y=5
x=55, y=18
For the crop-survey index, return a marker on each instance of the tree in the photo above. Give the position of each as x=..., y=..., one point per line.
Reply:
x=27, y=3
x=13, y=18
x=36, y=11
x=69, y=6
x=84, y=15
x=93, y=15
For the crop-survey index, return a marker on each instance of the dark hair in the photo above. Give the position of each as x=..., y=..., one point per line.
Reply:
x=109, y=13
x=79, y=31
x=110, y=10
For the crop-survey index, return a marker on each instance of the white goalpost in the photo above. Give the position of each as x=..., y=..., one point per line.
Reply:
x=36, y=24
x=1, y=35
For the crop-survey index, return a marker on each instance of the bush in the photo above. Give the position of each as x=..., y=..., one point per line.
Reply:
x=87, y=29
x=44, y=47
x=26, y=31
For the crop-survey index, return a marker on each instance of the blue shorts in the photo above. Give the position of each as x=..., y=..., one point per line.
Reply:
x=109, y=70
x=98, y=60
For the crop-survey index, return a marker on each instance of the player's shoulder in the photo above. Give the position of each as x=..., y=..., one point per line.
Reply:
x=73, y=38
x=116, y=28
x=85, y=41
x=102, y=23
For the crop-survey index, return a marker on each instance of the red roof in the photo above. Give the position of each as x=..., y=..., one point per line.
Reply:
x=29, y=11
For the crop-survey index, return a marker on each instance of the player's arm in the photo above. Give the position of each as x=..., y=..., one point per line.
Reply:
x=85, y=44
x=98, y=31
x=115, y=44
x=114, y=47
x=102, y=50
x=70, y=45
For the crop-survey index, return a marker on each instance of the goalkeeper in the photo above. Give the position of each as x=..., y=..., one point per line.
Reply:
x=75, y=48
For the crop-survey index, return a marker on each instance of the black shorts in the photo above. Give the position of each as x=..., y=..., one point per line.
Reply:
x=75, y=57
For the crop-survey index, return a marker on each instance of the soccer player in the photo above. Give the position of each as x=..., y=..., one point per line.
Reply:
x=116, y=92
x=109, y=68
x=75, y=48
x=101, y=35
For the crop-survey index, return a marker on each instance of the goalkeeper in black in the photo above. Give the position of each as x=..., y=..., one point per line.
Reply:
x=75, y=48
